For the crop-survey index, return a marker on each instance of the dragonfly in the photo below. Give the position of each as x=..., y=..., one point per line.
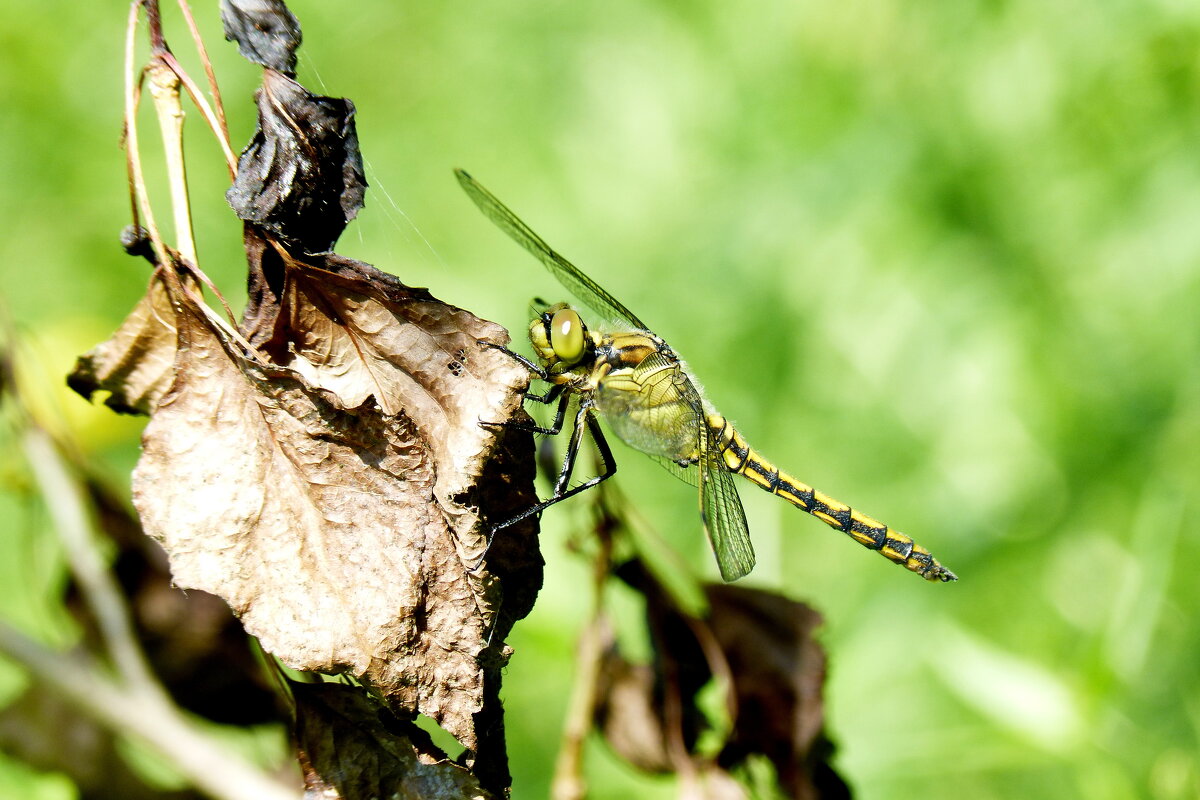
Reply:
x=628, y=375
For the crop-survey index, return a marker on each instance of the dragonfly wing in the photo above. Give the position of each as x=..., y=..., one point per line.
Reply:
x=653, y=407
x=578, y=284
x=657, y=409
x=721, y=510
x=724, y=519
x=687, y=474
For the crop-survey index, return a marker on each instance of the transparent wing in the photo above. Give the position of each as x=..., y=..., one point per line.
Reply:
x=721, y=510
x=654, y=408
x=724, y=519
x=689, y=474
x=658, y=410
x=578, y=284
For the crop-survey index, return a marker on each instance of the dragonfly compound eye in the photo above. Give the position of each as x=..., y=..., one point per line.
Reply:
x=566, y=335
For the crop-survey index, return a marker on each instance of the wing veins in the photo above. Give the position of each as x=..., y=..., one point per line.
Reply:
x=577, y=283
x=724, y=518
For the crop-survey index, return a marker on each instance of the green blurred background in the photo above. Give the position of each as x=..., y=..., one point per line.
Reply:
x=939, y=260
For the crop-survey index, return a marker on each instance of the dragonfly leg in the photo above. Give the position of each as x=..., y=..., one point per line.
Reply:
x=584, y=420
x=536, y=369
x=555, y=427
x=549, y=397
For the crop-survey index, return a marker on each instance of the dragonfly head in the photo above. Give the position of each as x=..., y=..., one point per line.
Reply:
x=560, y=337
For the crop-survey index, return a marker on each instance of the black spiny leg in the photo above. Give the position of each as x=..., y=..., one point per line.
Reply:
x=559, y=416
x=552, y=394
x=584, y=419
x=549, y=397
x=525, y=362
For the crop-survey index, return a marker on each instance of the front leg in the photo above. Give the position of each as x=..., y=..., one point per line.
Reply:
x=585, y=420
x=536, y=369
x=548, y=397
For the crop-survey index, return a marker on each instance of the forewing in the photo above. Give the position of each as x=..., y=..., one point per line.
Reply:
x=724, y=519
x=578, y=284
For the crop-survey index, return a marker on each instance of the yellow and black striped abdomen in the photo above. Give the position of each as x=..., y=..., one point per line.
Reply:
x=737, y=456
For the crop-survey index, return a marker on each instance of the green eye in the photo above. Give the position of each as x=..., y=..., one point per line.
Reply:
x=566, y=335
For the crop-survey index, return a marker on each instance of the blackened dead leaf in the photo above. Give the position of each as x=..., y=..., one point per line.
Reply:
x=762, y=645
x=266, y=32
x=301, y=177
x=778, y=671
x=321, y=526
x=351, y=748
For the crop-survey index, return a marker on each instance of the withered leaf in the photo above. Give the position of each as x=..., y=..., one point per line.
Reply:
x=319, y=525
x=763, y=644
x=324, y=470
x=301, y=176
x=266, y=32
x=360, y=333
x=134, y=366
x=629, y=714
x=353, y=749
x=778, y=670
x=193, y=642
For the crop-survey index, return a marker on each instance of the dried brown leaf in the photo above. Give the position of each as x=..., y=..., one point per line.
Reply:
x=319, y=525
x=324, y=470
x=134, y=365
x=353, y=749
x=778, y=670
x=360, y=333
x=629, y=716
x=193, y=642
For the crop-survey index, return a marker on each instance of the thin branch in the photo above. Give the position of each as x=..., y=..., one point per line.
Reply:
x=137, y=703
x=133, y=159
x=164, y=88
x=152, y=719
x=222, y=126
x=217, y=124
x=568, y=782
x=158, y=44
x=97, y=585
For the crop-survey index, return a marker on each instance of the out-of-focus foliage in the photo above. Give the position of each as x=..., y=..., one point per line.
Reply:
x=939, y=260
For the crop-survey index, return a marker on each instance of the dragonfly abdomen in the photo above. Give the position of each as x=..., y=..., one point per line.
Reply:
x=740, y=458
